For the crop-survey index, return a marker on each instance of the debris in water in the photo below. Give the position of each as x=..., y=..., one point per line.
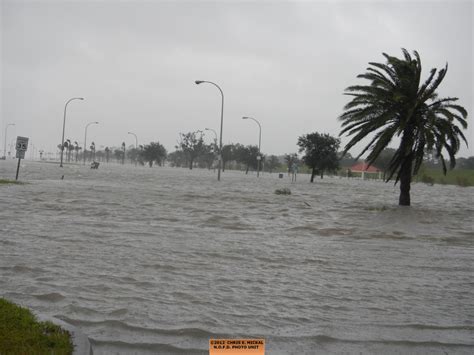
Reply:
x=283, y=191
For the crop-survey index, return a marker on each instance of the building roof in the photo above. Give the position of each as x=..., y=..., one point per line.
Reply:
x=364, y=167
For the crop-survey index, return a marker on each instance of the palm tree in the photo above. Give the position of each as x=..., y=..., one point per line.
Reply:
x=92, y=148
x=107, y=152
x=395, y=104
x=69, y=148
x=123, y=153
x=76, y=149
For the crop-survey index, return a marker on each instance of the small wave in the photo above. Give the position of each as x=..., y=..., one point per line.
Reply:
x=117, y=324
x=307, y=227
x=51, y=297
x=74, y=308
x=431, y=326
x=329, y=339
x=226, y=223
x=163, y=267
x=152, y=347
x=24, y=269
x=196, y=196
x=118, y=312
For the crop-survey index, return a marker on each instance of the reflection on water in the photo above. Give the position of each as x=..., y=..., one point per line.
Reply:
x=160, y=260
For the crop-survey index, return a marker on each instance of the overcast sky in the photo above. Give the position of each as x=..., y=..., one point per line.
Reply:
x=284, y=63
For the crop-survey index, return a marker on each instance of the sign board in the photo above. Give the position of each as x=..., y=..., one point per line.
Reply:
x=21, y=146
x=236, y=346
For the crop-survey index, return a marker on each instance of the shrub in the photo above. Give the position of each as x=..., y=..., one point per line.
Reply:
x=427, y=179
x=462, y=181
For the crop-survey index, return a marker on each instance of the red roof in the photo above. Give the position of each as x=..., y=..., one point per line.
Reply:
x=360, y=167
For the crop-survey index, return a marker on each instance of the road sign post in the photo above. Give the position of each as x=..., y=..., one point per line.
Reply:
x=21, y=147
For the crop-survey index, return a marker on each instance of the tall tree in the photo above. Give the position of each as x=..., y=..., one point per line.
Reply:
x=92, y=148
x=272, y=163
x=118, y=155
x=191, y=145
x=227, y=154
x=70, y=148
x=123, y=152
x=320, y=152
x=208, y=156
x=107, y=153
x=133, y=154
x=154, y=153
x=397, y=104
x=76, y=149
x=177, y=159
x=247, y=155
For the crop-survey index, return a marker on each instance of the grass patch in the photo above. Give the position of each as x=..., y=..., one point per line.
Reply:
x=460, y=177
x=21, y=333
x=5, y=182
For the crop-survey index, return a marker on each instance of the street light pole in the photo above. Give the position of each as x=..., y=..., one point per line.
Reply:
x=136, y=145
x=259, y=158
x=64, y=127
x=5, y=143
x=85, y=140
x=222, y=122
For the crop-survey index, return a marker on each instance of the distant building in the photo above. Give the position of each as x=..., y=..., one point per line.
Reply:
x=364, y=168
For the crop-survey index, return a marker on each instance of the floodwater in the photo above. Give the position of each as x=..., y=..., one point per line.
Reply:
x=158, y=261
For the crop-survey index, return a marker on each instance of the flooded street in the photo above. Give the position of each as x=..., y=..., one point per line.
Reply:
x=160, y=260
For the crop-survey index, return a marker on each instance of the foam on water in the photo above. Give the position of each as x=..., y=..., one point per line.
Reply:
x=159, y=260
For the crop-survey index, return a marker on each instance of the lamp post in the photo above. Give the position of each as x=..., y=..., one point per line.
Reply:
x=5, y=143
x=259, y=157
x=64, y=127
x=85, y=140
x=136, y=145
x=222, y=121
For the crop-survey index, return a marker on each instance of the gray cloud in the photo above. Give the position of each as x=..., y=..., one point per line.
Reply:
x=284, y=63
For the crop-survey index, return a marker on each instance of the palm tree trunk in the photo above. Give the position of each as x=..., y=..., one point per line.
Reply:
x=405, y=181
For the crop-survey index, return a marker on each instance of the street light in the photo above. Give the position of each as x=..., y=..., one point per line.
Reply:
x=64, y=127
x=222, y=121
x=5, y=143
x=136, y=145
x=85, y=140
x=259, y=158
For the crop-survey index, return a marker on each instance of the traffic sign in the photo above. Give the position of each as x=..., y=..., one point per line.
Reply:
x=21, y=143
x=21, y=147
